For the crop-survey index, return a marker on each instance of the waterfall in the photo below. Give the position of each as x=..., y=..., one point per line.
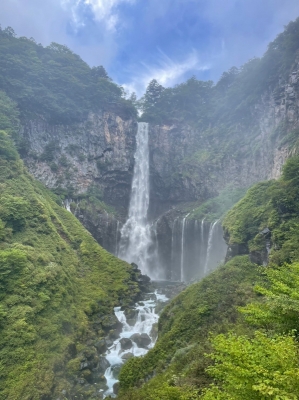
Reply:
x=116, y=238
x=67, y=204
x=182, y=247
x=201, y=231
x=136, y=236
x=172, y=243
x=210, y=242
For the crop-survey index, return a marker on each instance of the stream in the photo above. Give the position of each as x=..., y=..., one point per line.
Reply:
x=137, y=337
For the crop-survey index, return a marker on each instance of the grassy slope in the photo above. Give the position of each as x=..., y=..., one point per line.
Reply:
x=55, y=280
x=177, y=364
x=177, y=360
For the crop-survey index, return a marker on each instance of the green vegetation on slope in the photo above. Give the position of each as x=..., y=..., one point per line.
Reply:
x=273, y=205
x=234, y=335
x=229, y=101
x=177, y=361
x=223, y=118
x=216, y=207
x=57, y=284
x=55, y=83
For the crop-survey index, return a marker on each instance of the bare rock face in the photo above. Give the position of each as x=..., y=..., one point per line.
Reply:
x=182, y=169
x=96, y=153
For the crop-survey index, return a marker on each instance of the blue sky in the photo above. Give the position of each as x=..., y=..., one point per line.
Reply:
x=170, y=40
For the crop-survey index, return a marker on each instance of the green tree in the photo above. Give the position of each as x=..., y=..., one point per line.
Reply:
x=152, y=95
x=279, y=309
x=14, y=211
x=7, y=150
x=258, y=368
x=99, y=72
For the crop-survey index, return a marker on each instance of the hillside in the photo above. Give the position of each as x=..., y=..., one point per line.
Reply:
x=58, y=286
x=234, y=334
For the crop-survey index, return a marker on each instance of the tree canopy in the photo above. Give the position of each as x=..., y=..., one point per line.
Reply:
x=54, y=82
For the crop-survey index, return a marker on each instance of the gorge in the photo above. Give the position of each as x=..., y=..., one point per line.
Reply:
x=199, y=192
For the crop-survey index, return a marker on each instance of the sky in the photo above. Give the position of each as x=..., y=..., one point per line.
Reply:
x=139, y=40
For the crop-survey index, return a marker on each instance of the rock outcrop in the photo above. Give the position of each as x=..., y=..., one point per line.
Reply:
x=180, y=156
x=97, y=158
x=96, y=154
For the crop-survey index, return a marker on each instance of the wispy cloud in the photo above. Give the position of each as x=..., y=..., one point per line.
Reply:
x=166, y=71
x=104, y=11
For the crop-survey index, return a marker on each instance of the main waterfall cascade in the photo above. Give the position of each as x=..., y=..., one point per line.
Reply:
x=137, y=242
x=195, y=248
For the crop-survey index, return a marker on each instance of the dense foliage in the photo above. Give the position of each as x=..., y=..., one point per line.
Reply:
x=55, y=83
x=56, y=283
x=254, y=368
x=177, y=361
x=250, y=312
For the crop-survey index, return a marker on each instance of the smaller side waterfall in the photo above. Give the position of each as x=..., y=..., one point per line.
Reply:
x=197, y=247
x=183, y=247
x=209, y=248
x=116, y=238
x=67, y=204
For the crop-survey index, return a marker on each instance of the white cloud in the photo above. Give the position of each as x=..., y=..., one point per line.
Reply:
x=166, y=71
x=104, y=11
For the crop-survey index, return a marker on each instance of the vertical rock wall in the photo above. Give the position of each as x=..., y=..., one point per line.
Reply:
x=96, y=153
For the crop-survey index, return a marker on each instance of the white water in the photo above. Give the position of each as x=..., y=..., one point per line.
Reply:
x=209, y=248
x=182, y=248
x=146, y=318
x=136, y=240
x=116, y=237
x=67, y=204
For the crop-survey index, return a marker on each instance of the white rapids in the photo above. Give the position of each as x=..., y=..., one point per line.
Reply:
x=146, y=318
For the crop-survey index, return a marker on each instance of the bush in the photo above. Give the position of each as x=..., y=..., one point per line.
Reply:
x=14, y=211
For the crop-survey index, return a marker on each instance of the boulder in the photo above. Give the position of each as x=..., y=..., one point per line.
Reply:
x=116, y=388
x=125, y=343
x=111, y=322
x=131, y=313
x=145, y=339
x=142, y=340
x=103, y=364
x=127, y=356
x=135, y=267
x=101, y=346
x=109, y=342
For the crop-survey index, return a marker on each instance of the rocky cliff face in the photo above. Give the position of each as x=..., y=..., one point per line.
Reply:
x=182, y=165
x=98, y=153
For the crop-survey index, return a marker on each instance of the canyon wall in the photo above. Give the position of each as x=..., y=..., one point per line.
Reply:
x=98, y=153
x=183, y=168
x=187, y=164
